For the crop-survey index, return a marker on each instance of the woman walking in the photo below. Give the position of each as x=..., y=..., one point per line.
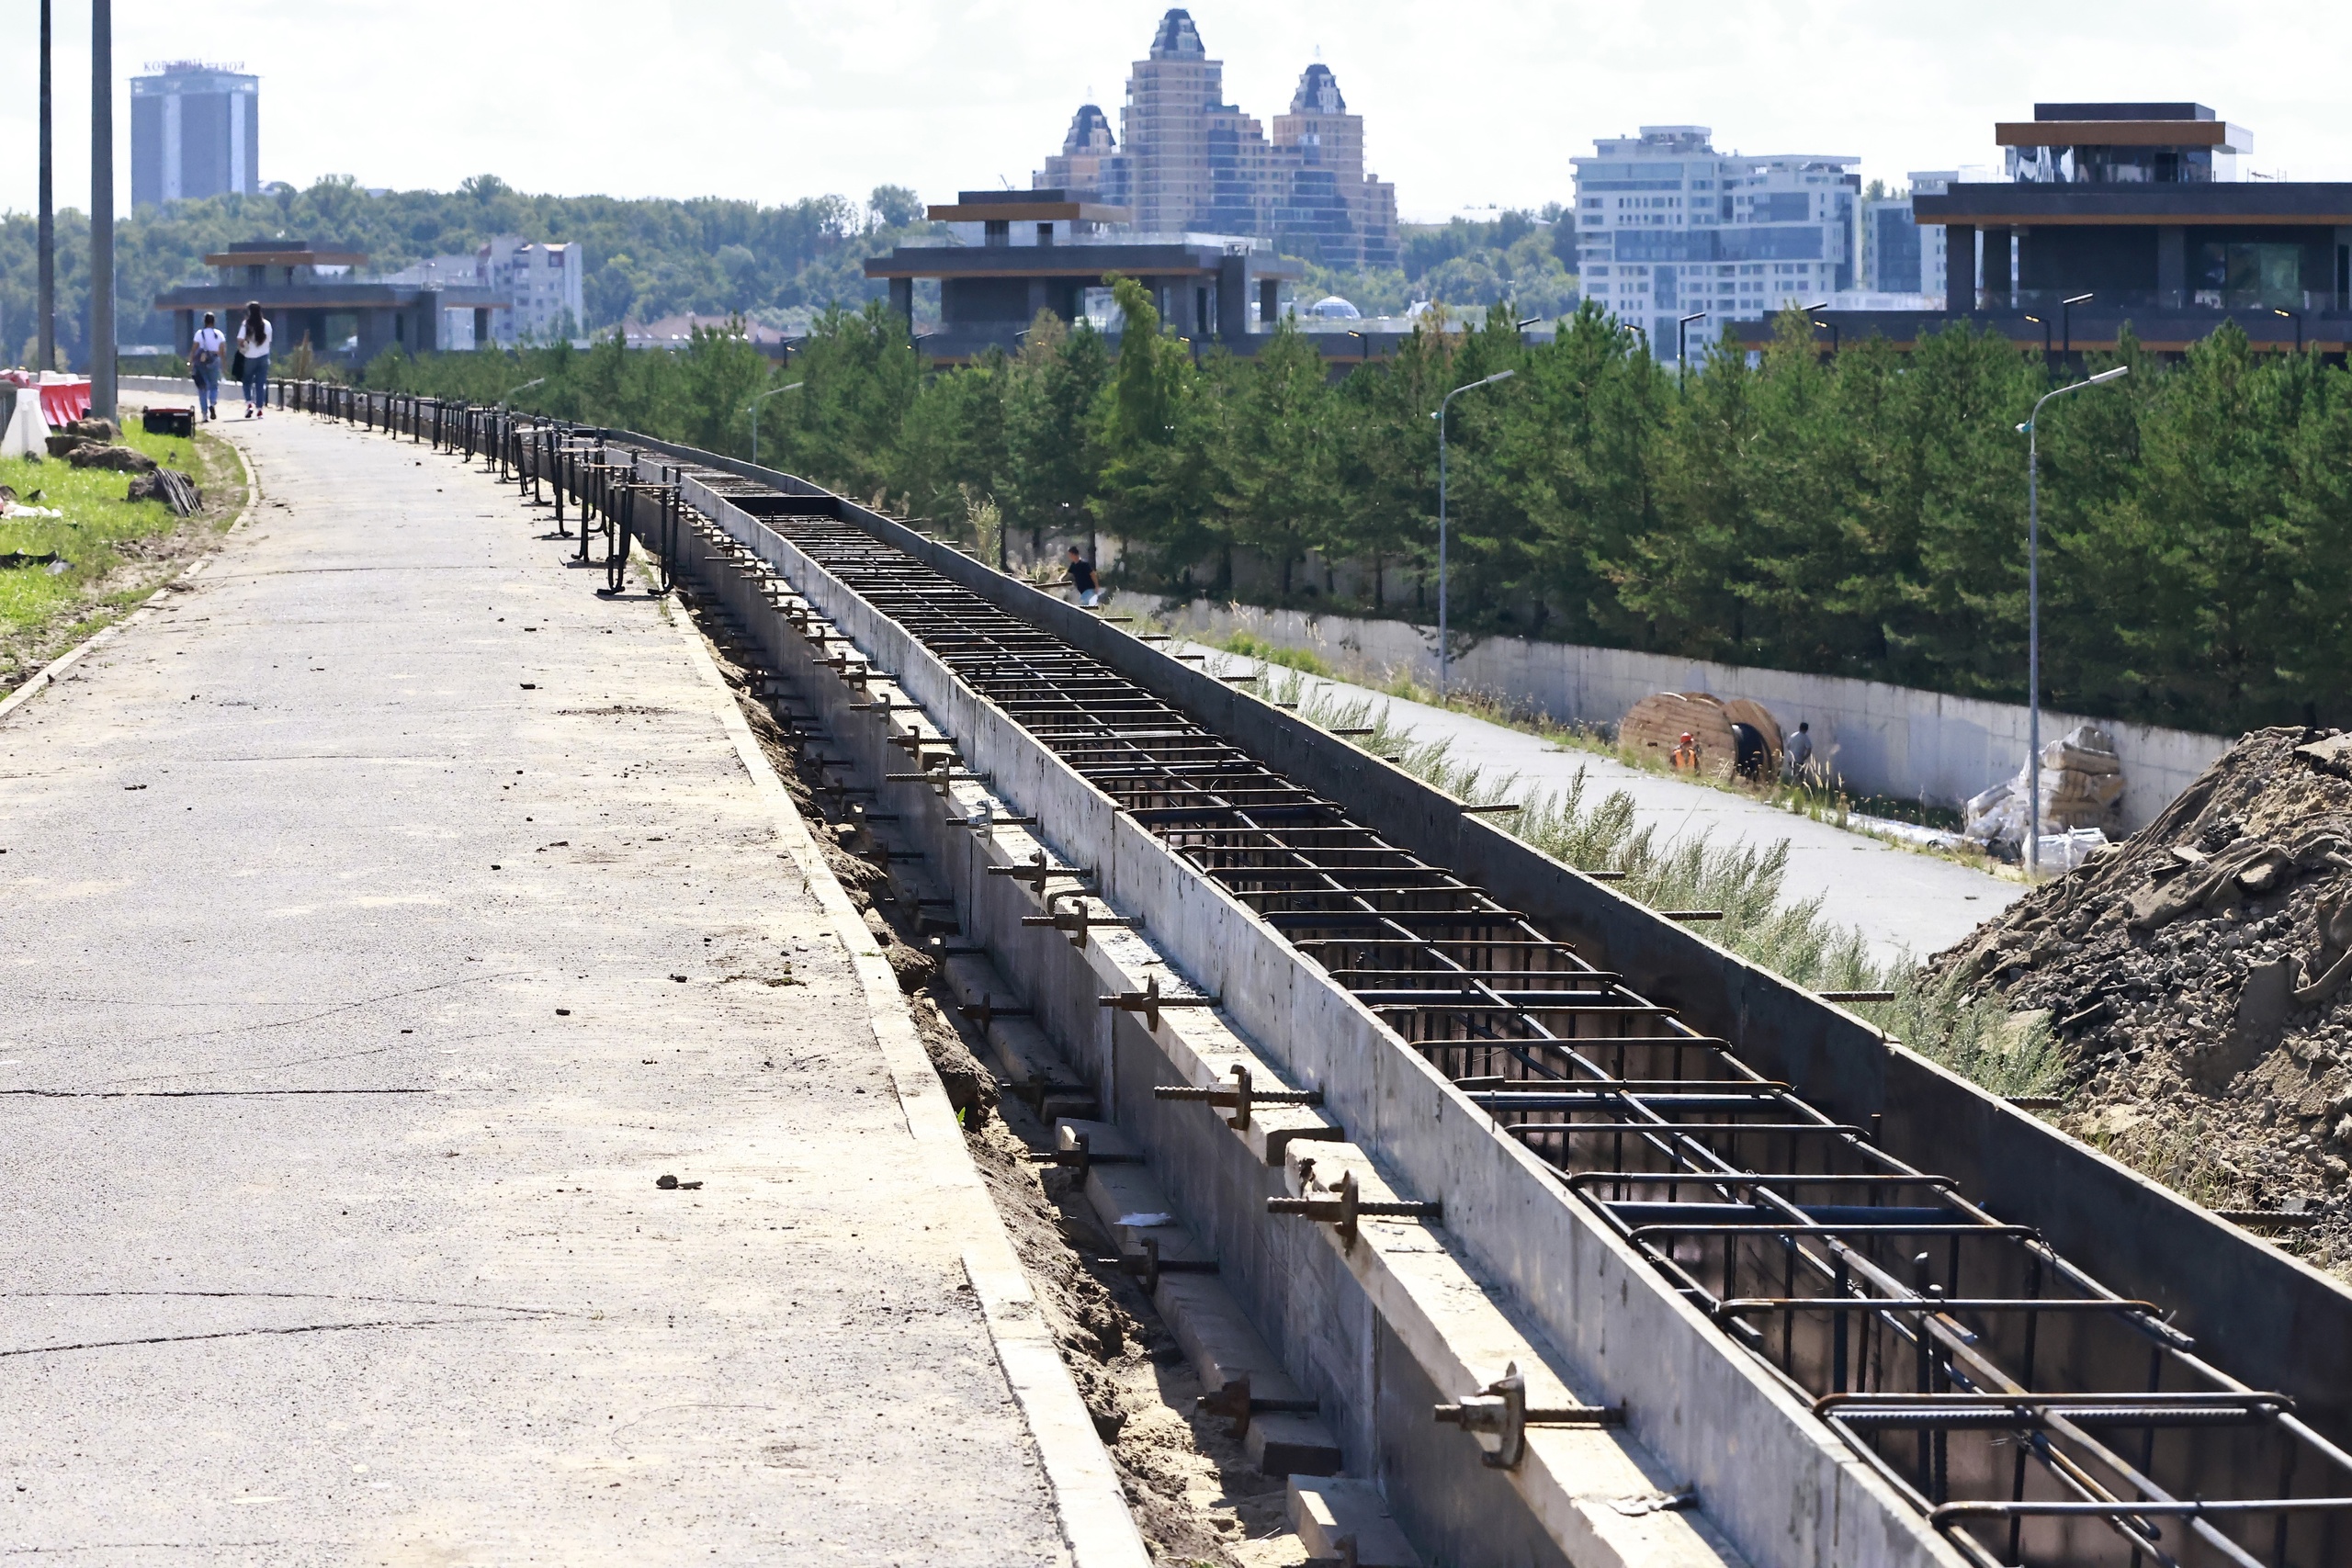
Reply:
x=204, y=363
x=253, y=346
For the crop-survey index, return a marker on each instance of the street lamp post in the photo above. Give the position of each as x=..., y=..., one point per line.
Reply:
x=2031, y=431
x=1444, y=648
x=524, y=387
x=2038, y=322
x=1639, y=331
x=2296, y=316
x=754, y=406
x=1682, y=344
x=102, y=333
x=46, y=229
x=1363, y=345
x=1836, y=339
x=2066, y=324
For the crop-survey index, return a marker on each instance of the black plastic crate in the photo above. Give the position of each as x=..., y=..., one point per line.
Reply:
x=165, y=420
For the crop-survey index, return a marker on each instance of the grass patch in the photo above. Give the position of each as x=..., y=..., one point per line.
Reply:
x=1251, y=645
x=1793, y=939
x=109, y=552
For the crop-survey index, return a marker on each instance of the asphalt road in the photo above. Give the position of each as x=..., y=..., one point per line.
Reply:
x=377, y=922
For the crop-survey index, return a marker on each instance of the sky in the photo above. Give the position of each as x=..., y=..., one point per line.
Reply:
x=1474, y=104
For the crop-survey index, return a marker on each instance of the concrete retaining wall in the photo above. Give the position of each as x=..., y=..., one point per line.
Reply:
x=1882, y=739
x=1769, y=1476
x=1776, y=1482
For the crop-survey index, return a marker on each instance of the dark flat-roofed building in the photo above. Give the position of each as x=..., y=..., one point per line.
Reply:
x=300, y=287
x=2142, y=206
x=1011, y=253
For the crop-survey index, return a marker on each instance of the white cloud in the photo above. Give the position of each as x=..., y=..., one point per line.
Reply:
x=1487, y=102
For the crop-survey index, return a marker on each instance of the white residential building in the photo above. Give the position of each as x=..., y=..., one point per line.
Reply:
x=545, y=283
x=1667, y=227
x=457, y=321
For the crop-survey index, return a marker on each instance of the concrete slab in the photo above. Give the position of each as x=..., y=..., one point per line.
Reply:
x=1903, y=901
x=376, y=924
x=1326, y=1510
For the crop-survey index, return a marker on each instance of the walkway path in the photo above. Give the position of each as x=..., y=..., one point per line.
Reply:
x=1898, y=898
x=378, y=923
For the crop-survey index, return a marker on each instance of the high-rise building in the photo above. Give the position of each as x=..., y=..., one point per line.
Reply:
x=1090, y=161
x=1667, y=227
x=195, y=131
x=1898, y=256
x=545, y=283
x=1194, y=163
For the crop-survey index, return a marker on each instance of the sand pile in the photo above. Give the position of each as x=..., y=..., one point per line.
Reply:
x=2197, y=981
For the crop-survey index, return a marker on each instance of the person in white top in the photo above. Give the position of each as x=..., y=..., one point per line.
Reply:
x=204, y=358
x=253, y=341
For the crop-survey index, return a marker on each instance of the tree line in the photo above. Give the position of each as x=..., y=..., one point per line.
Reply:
x=647, y=258
x=1858, y=513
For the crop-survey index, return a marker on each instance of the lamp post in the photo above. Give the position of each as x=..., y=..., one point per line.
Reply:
x=102, y=333
x=2031, y=431
x=2038, y=322
x=1363, y=345
x=1836, y=340
x=754, y=406
x=1445, y=648
x=526, y=387
x=2296, y=316
x=48, y=223
x=2066, y=324
x=1682, y=344
x=1639, y=331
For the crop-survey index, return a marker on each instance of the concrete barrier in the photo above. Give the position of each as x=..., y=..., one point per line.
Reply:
x=1882, y=739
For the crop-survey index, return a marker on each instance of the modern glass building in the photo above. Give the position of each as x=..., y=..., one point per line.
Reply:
x=195, y=131
x=2137, y=213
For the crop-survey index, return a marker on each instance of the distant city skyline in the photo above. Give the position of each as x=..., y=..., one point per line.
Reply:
x=945, y=97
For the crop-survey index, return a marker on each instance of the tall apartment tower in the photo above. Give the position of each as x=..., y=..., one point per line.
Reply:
x=195, y=131
x=1090, y=161
x=1667, y=227
x=1193, y=162
x=1325, y=206
x=1170, y=97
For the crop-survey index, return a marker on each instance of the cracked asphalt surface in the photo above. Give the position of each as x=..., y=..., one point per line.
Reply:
x=378, y=920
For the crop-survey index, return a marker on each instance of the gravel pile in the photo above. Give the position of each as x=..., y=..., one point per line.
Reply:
x=2197, y=981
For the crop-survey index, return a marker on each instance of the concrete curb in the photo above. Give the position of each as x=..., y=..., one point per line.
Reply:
x=48, y=673
x=1088, y=1499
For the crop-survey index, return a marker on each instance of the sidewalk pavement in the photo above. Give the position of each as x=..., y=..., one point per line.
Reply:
x=377, y=922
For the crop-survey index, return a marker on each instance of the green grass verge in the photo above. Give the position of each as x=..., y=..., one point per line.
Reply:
x=1251, y=645
x=109, y=551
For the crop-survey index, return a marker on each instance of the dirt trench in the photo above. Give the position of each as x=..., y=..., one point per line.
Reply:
x=1195, y=1496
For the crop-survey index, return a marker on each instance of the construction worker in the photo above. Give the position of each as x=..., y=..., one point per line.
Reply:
x=1686, y=754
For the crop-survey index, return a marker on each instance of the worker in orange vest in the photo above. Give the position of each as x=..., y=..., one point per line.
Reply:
x=1686, y=754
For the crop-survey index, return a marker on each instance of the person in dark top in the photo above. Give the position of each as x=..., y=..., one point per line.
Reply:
x=1082, y=577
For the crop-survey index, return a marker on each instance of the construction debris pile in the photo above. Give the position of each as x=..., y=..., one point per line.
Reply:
x=2195, y=978
x=2082, y=789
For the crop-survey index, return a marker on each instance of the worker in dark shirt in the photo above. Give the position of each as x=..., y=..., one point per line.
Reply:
x=1081, y=577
